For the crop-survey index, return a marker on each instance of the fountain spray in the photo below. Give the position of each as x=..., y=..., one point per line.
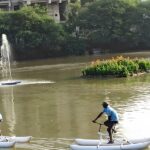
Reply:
x=5, y=58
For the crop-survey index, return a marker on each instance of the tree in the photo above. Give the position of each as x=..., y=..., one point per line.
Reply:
x=32, y=33
x=115, y=24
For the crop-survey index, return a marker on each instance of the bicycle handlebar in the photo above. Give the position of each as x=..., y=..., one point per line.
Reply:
x=100, y=124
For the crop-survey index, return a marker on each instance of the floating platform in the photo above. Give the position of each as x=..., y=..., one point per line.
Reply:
x=10, y=82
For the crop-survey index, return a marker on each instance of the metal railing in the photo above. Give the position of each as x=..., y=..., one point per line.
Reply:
x=4, y=0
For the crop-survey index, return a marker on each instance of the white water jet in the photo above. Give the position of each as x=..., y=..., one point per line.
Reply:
x=5, y=58
x=5, y=62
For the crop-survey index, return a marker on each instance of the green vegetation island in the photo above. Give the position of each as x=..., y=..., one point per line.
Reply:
x=117, y=67
x=106, y=26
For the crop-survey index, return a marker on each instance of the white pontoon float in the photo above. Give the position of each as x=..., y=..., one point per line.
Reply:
x=89, y=144
x=17, y=139
x=9, y=141
x=83, y=144
x=7, y=144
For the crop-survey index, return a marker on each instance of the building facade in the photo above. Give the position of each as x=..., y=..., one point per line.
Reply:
x=56, y=8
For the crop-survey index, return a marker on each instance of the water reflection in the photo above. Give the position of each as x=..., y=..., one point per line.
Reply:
x=135, y=122
x=9, y=108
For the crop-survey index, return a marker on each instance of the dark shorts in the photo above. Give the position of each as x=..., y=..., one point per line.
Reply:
x=110, y=124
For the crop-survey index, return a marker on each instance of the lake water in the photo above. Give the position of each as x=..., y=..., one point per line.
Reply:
x=55, y=105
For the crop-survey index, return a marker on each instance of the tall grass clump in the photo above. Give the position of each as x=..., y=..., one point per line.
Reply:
x=118, y=67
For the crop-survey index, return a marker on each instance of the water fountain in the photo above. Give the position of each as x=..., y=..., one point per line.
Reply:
x=6, y=67
x=5, y=63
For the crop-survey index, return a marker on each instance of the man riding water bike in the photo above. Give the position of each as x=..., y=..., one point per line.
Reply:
x=113, y=119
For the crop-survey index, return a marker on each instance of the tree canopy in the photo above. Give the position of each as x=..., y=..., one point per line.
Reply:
x=32, y=32
x=115, y=24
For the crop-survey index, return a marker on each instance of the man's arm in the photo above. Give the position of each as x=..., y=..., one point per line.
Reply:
x=100, y=114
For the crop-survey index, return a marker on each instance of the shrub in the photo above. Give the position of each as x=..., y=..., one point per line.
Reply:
x=119, y=67
x=144, y=65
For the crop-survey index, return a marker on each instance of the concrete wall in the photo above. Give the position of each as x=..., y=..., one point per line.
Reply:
x=53, y=10
x=53, y=6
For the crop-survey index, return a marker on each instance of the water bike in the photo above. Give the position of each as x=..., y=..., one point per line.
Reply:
x=101, y=144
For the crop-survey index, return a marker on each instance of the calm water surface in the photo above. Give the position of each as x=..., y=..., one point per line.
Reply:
x=55, y=106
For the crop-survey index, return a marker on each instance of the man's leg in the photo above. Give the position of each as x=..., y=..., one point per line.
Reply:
x=109, y=124
x=113, y=128
x=109, y=129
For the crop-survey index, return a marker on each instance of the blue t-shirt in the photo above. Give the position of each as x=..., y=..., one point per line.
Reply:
x=111, y=113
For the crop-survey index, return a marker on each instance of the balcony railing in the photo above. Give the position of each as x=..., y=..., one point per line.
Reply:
x=4, y=0
x=45, y=1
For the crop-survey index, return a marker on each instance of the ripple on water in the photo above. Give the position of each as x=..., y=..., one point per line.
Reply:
x=27, y=82
x=46, y=144
x=135, y=118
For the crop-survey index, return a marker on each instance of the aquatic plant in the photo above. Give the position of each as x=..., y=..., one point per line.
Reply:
x=118, y=67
